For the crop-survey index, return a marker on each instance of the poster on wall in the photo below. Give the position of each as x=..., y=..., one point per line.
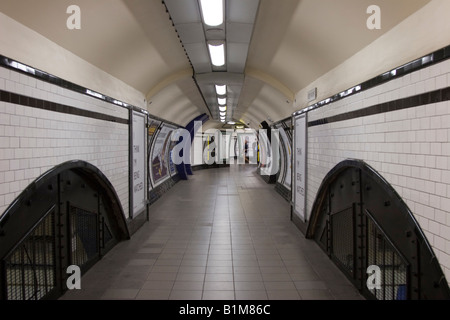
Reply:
x=152, y=128
x=159, y=160
x=138, y=165
x=299, y=159
x=174, y=141
x=283, y=159
x=286, y=142
x=264, y=152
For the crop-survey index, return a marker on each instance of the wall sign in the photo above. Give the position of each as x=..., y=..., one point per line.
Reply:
x=138, y=165
x=299, y=161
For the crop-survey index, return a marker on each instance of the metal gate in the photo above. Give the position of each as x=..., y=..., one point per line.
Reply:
x=31, y=267
x=372, y=236
x=46, y=230
x=394, y=268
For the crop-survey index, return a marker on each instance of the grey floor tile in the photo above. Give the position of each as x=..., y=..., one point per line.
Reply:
x=219, y=285
x=308, y=285
x=186, y=295
x=188, y=286
x=218, y=295
x=279, y=285
x=219, y=277
x=153, y=295
x=162, y=276
x=283, y=295
x=251, y=295
x=120, y=294
x=158, y=285
x=249, y=286
x=248, y=277
x=315, y=294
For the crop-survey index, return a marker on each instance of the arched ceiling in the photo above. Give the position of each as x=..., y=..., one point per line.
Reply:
x=293, y=42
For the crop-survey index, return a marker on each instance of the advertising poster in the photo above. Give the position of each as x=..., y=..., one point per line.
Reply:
x=283, y=158
x=286, y=144
x=152, y=129
x=175, y=136
x=138, y=169
x=159, y=161
x=299, y=189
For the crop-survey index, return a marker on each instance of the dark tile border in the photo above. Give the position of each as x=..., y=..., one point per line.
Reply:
x=44, y=76
x=19, y=67
x=415, y=65
x=15, y=98
x=405, y=103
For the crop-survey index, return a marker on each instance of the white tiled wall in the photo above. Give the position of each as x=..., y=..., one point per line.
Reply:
x=33, y=140
x=410, y=148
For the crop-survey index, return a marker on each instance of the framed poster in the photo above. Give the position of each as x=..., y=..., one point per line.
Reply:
x=287, y=144
x=152, y=129
x=174, y=141
x=138, y=164
x=159, y=160
x=299, y=161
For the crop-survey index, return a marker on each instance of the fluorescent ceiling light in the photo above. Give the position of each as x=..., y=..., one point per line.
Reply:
x=212, y=11
x=222, y=108
x=231, y=122
x=223, y=114
x=222, y=101
x=217, y=53
x=221, y=90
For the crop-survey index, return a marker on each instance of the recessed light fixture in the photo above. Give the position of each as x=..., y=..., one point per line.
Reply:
x=222, y=101
x=222, y=108
x=221, y=90
x=223, y=114
x=212, y=11
x=217, y=53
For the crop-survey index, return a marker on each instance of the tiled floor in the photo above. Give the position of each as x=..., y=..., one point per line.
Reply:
x=224, y=234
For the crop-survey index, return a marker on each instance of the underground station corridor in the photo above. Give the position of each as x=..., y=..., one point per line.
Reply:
x=225, y=150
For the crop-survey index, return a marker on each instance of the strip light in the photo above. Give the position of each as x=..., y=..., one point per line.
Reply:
x=221, y=90
x=222, y=101
x=212, y=11
x=217, y=53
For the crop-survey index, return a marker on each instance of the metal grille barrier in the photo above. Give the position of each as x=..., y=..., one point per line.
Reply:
x=394, y=270
x=342, y=234
x=31, y=268
x=84, y=236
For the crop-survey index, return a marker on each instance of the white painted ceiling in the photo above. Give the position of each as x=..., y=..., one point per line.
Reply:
x=291, y=44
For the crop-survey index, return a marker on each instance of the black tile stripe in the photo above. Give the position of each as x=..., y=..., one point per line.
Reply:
x=15, y=98
x=426, y=61
x=49, y=78
x=404, y=103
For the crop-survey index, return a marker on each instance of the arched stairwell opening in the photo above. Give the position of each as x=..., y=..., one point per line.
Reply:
x=71, y=215
x=365, y=227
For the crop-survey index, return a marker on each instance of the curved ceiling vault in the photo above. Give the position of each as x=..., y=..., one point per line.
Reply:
x=274, y=48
